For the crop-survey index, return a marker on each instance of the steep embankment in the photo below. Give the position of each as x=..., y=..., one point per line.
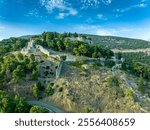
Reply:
x=89, y=91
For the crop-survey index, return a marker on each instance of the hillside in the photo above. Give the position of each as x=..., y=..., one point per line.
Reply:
x=113, y=42
x=67, y=70
x=90, y=91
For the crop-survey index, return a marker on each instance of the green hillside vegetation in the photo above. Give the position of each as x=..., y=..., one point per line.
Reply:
x=11, y=44
x=84, y=85
x=12, y=104
x=138, y=67
x=119, y=42
x=16, y=67
x=62, y=42
x=137, y=57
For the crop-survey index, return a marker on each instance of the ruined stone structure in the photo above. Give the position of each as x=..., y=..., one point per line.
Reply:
x=32, y=48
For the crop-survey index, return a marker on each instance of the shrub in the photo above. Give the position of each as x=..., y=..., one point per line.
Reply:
x=34, y=75
x=113, y=81
x=128, y=92
x=49, y=90
x=35, y=91
x=60, y=89
x=37, y=109
x=141, y=85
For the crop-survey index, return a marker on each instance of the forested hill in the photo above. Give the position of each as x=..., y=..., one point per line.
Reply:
x=113, y=42
x=119, y=42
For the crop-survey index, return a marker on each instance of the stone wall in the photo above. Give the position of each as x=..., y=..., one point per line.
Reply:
x=59, y=69
x=42, y=49
x=31, y=48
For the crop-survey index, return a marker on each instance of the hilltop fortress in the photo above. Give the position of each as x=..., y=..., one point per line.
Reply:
x=33, y=48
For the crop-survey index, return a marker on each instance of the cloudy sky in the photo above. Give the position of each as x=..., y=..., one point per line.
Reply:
x=126, y=18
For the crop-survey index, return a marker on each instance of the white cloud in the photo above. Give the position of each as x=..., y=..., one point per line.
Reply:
x=61, y=5
x=61, y=16
x=107, y=2
x=111, y=31
x=33, y=12
x=94, y=3
x=101, y=17
x=94, y=29
x=140, y=32
x=141, y=5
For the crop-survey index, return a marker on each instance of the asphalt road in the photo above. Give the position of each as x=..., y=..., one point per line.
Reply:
x=50, y=107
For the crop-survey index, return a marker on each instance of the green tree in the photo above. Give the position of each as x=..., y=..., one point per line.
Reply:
x=2, y=78
x=10, y=63
x=21, y=106
x=34, y=75
x=75, y=35
x=32, y=56
x=6, y=104
x=18, y=73
x=35, y=91
x=37, y=109
x=113, y=81
x=109, y=53
x=38, y=41
x=129, y=93
x=119, y=55
x=26, y=60
x=20, y=56
x=82, y=49
x=49, y=90
x=60, y=45
x=67, y=43
x=141, y=86
x=75, y=52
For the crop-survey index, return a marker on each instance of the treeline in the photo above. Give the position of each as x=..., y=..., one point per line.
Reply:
x=15, y=104
x=14, y=68
x=137, y=64
x=64, y=42
x=137, y=57
x=10, y=104
x=11, y=44
x=137, y=68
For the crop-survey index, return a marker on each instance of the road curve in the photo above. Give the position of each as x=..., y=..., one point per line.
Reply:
x=50, y=107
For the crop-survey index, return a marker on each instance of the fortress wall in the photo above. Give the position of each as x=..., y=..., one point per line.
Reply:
x=59, y=69
x=44, y=50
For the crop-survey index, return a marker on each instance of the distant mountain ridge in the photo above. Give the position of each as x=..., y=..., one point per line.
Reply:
x=114, y=42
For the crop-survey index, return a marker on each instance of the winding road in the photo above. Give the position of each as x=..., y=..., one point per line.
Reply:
x=50, y=107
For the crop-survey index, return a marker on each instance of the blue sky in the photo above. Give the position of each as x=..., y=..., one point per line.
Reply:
x=126, y=18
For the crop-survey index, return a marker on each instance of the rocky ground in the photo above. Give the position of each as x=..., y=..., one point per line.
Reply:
x=87, y=91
